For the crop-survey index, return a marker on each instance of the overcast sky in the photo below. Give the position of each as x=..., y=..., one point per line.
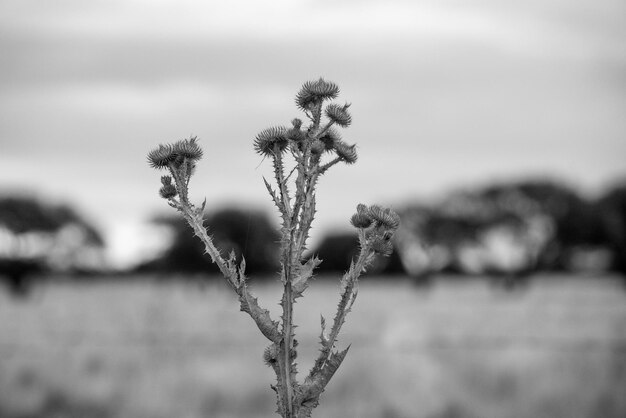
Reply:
x=444, y=94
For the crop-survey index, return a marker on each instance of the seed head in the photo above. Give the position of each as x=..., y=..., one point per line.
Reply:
x=313, y=92
x=346, y=152
x=339, y=114
x=271, y=140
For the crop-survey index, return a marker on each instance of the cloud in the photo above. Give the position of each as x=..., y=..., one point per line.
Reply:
x=442, y=92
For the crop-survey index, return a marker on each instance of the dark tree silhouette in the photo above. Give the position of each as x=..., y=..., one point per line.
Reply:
x=247, y=233
x=613, y=208
x=337, y=251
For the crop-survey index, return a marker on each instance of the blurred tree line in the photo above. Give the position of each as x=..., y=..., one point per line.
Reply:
x=37, y=237
x=515, y=229
x=507, y=230
x=247, y=233
x=252, y=235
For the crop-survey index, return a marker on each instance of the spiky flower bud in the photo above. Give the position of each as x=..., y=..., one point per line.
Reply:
x=166, y=180
x=188, y=148
x=295, y=135
x=384, y=217
x=168, y=191
x=317, y=147
x=297, y=123
x=270, y=356
x=361, y=220
x=382, y=246
x=339, y=114
x=162, y=156
x=271, y=140
x=346, y=152
x=330, y=138
x=314, y=92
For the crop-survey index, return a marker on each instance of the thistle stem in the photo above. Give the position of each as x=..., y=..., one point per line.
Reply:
x=287, y=342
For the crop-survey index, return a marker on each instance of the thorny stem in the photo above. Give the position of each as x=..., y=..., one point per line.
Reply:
x=294, y=400
x=287, y=333
x=348, y=296
x=234, y=276
x=287, y=320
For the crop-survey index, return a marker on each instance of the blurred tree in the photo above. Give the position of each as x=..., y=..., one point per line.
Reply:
x=578, y=222
x=247, y=233
x=337, y=251
x=33, y=238
x=613, y=208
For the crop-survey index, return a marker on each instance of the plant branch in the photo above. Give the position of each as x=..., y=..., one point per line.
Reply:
x=347, y=298
x=234, y=275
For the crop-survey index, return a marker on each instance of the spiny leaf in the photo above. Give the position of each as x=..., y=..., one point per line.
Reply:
x=305, y=273
x=272, y=194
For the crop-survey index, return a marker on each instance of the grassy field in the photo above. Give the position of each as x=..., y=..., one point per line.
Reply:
x=460, y=348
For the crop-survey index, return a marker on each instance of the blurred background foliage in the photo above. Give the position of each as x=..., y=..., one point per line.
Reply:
x=505, y=230
x=40, y=237
x=248, y=233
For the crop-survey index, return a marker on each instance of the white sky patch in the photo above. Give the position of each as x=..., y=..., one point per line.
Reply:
x=422, y=21
x=135, y=99
x=131, y=242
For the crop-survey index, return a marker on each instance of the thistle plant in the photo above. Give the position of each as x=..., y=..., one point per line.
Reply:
x=300, y=154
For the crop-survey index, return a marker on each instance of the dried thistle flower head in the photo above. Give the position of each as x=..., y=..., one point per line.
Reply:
x=346, y=152
x=318, y=147
x=339, y=114
x=384, y=217
x=188, y=148
x=314, y=92
x=295, y=135
x=361, y=220
x=271, y=140
x=168, y=191
x=379, y=225
x=382, y=247
x=176, y=153
x=162, y=156
x=330, y=138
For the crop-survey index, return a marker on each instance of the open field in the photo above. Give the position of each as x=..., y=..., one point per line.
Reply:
x=458, y=349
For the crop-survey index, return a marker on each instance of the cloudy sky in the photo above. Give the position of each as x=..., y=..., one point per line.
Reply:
x=444, y=94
